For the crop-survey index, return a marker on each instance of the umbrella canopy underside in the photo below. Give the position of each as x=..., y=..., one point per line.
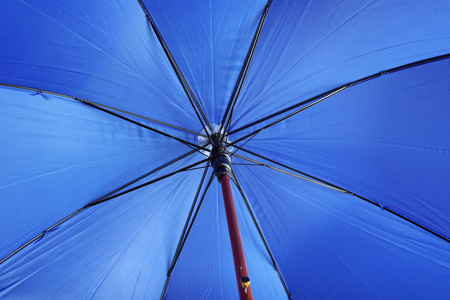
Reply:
x=335, y=115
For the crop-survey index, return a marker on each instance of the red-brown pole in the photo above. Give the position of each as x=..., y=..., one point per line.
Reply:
x=235, y=238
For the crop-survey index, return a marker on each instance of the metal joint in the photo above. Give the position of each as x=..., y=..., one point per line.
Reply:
x=220, y=158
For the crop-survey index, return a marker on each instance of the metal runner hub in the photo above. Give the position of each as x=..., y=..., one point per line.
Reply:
x=219, y=157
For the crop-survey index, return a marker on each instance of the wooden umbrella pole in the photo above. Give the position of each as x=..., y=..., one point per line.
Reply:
x=221, y=163
x=240, y=268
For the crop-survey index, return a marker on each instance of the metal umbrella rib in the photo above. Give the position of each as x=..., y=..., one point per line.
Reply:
x=338, y=89
x=114, y=111
x=226, y=120
x=192, y=99
x=184, y=169
x=185, y=233
x=289, y=115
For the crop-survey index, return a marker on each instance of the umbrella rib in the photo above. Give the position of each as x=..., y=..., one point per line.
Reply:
x=240, y=147
x=187, y=143
x=39, y=91
x=185, y=233
x=291, y=174
x=189, y=217
x=95, y=202
x=258, y=228
x=291, y=114
x=197, y=168
x=141, y=177
x=195, y=105
x=237, y=88
x=187, y=168
x=241, y=164
x=336, y=188
x=370, y=77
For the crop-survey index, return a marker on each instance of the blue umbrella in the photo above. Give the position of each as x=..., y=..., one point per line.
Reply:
x=119, y=118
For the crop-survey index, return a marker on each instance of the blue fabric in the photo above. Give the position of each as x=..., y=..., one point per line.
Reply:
x=385, y=139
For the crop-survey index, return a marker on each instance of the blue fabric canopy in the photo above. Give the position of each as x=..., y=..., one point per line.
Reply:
x=336, y=118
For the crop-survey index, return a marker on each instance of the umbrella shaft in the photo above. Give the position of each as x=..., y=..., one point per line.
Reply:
x=235, y=238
